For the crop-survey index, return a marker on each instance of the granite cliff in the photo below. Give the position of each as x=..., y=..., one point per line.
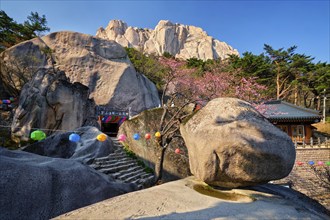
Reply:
x=181, y=41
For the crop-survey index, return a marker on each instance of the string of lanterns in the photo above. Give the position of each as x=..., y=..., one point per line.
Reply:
x=311, y=163
x=147, y=136
x=39, y=135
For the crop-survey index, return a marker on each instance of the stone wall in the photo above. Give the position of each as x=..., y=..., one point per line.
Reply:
x=303, y=178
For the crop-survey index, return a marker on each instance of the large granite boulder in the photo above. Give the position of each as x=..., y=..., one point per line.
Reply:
x=231, y=145
x=100, y=64
x=49, y=101
x=181, y=41
x=38, y=187
x=86, y=149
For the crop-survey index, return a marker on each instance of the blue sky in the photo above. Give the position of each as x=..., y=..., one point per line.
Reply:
x=245, y=25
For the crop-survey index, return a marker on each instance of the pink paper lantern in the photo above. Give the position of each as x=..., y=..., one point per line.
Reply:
x=122, y=137
x=177, y=151
x=320, y=163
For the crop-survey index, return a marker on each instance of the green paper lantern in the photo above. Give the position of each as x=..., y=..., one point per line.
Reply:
x=327, y=163
x=38, y=135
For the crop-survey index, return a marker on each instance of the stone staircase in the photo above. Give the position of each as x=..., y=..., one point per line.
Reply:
x=123, y=168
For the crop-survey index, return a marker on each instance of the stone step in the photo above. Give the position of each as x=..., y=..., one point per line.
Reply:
x=130, y=176
x=110, y=159
x=119, y=162
x=117, y=168
x=148, y=181
x=123, y=168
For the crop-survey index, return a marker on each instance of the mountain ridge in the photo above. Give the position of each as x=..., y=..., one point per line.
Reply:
x=179, y=40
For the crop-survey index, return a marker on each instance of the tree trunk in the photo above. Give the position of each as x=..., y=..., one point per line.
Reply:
x=159, y=166
x=296, y=95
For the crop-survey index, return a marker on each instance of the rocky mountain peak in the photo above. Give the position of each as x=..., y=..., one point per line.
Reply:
x=182, y=41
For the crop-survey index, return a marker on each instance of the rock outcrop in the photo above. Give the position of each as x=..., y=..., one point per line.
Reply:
x=38, y=187
x=101, y=65
x=85, y=150
x=49, y=101
x=181, y=41
x=175, y=165
x=231, y=145
x=180, y=200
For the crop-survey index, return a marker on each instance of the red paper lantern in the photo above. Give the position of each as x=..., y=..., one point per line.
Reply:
x=300, y=163
x=147, y=136
x=177, y=151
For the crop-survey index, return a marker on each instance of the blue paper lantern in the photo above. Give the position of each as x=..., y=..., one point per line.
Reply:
x=136, y=136
x=74, y=137
x=311, y=162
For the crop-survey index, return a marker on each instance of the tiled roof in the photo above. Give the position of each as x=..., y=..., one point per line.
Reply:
x=279, y=110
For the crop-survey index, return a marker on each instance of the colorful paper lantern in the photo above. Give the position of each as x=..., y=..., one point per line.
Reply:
x=12, y=99
x=101, y=137
x=6, y=101
x=38, y=135
x=0, y=102
x=327, y=163
x=122, y=137
x=157, y=134
x=320, y=163
x=74, y=137
x=311, y=162
x=177, y=151
x=300, y=163
x=136, y=136
x=147, y=136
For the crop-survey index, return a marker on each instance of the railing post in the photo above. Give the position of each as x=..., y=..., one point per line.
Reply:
x=326, y=142
x=319, y=141
x=311, y=143
x=303, y=142
x=295, y=142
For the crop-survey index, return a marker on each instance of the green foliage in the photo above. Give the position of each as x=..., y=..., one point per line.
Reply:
x=129, y=152
x=287, y=74
x=148, y=65
x=12, y=33
x=167, y=55
x=195, y=62
x=132, y=155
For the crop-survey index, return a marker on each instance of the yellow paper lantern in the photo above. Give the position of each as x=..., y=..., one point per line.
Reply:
x=101, y=137
x=157, y=135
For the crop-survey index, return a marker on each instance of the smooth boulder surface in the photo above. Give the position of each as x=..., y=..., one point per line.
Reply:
x=86, y=149
x=38, y=187
x=101, y=65
x=231, y=145
x=51, y=102
x=180, y=200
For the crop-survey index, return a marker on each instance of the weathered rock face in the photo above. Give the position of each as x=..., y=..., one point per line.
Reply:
x=230, y=145
x=101, y=65
x=182, y=41
x=176, y=166
x=86, y=149
x=50, y=101
x=37, y=187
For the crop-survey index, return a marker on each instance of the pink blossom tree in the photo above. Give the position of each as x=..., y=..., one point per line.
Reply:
x=182, y=88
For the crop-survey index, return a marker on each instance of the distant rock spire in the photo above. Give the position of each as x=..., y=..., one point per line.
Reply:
x=181, y=41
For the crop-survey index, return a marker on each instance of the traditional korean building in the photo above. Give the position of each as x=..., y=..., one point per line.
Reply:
x=111, y=119
x=296, y=121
